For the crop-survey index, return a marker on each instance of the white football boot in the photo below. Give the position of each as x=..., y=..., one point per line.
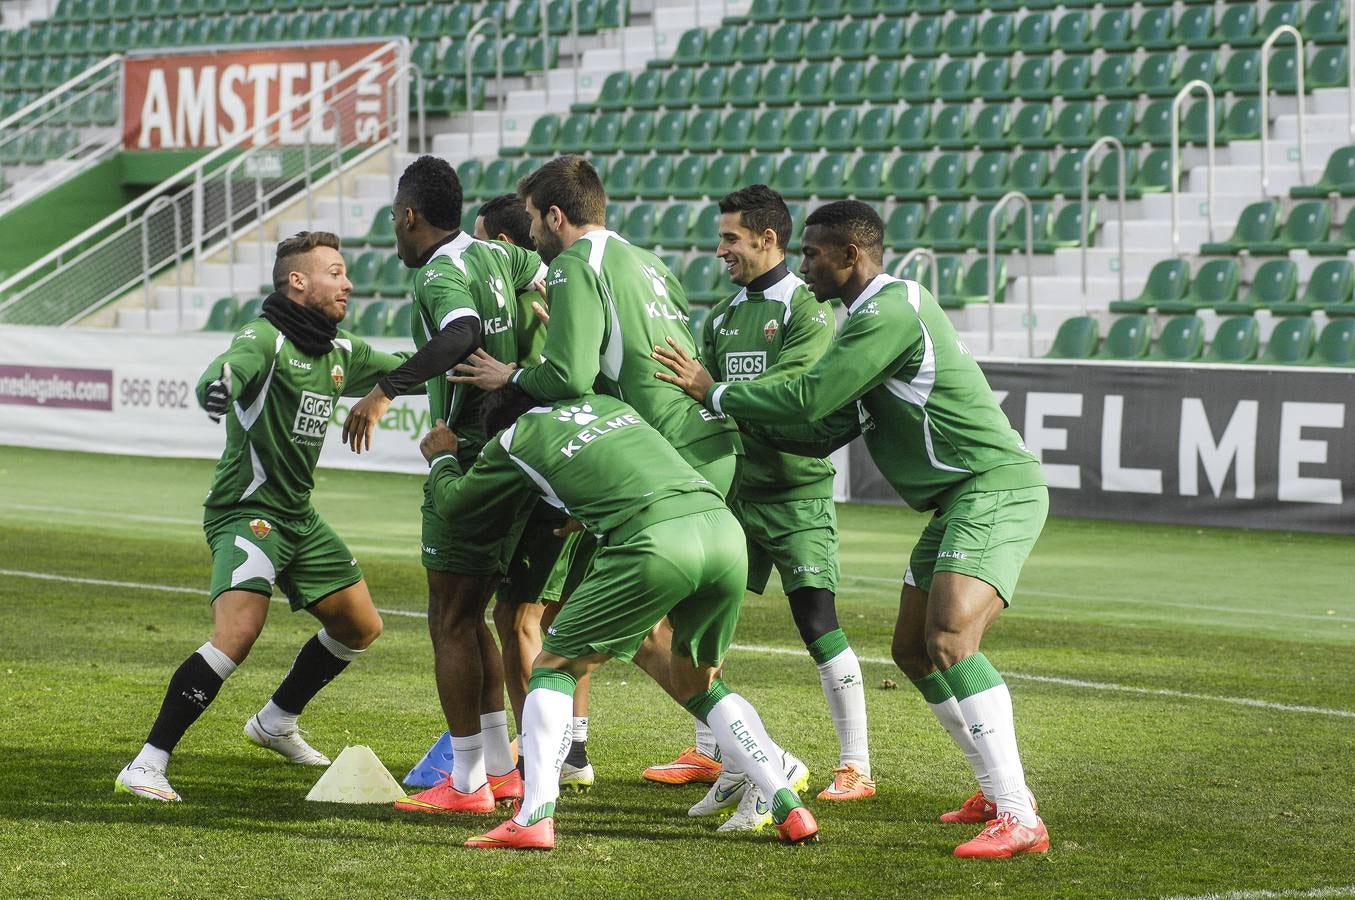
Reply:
x=755, y=811
x=290, y=746
x=146, y=781
x=723, y=795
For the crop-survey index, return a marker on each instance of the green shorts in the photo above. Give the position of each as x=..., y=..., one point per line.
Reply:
x=469, y=545
x=798, y=537
x=302, y=556
x=691, y=569
x=531, y=569
x=985, y=534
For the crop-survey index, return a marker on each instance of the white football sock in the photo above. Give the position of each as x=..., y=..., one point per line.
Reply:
x=989, y=716
x=579, y=729
x=276, y=720
x=950, y=717
x=151, y=758
x=738, y=728
x=705, y=740
x=468, y=763
x=845, y=691
x=546, y=734
x=494, y=733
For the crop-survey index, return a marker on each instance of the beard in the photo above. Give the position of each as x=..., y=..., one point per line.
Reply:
x=549, y=246
x=326, y=306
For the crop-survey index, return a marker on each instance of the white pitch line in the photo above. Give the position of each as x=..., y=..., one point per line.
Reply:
x=1101, y=601
x=781, y=651
x=1347, y=891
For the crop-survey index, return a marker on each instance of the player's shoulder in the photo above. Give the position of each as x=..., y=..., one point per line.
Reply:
x=258, y=331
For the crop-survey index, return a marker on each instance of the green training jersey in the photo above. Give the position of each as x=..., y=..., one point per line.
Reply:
x=478, y=279
x=930, y=420
x=611, y=304
x=593, y=457
x=771, y=336
x=530, y=333
x=281, y=403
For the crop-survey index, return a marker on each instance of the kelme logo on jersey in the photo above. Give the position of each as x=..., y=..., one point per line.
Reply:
x=593, y=431
x=579, y=415
x=746, y=365
x=261, y=528
x=430, y=275
x=769, y=330
x=336, y=374
x=312, y=415
x=497, y=325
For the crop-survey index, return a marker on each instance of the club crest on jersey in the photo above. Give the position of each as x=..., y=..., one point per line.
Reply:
x=769, y=330
x=261, y=528
x=336, y=373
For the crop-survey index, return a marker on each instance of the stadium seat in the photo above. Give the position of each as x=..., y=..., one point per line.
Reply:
x=1343, y=243
x=639, y=226
x=703, y=279
x=1182, y=340
x=972, y=287
x=1291, y=343
x=1308, y=223
x=637, y=133
x=677, y=90
x=1215, y=283
x=222, y=315
x=989, y=128
x=949, y=271
x=988, y=176
x=1156, y=76
x=684, y=183
x=792, y=175
x=245, y=313
x=946, y=177
x=622, y=178
x=1202, y=65
x=924, y=38
x=373, y=319
x=1243, y=121
x=959, y=37
x=952, y=82
x=1236, y=341
x=744, y=87
x=1129, y=338
x=874, y=132
x=672, y=128
x=1067, y=228
x=1329, y=290
x=691, y=48
x=1154, y=175
x=675, y=226
x=882, y=81
x=1065, y=179
x=918, y=78
x=1275, y=283
x=365, y=271
x=705, y=231
x=905, y=177
x=1335, y=346
x=903, y=228
x=1105, y=181
x=1073, y=33
x=950, y=128
x=1014, y=239
x=394, y=278
x=913, y=129
x=722, y=176
x=866, y=178
x=1168, y=281
x=1325, y=22
x=1258, y=223
x=1328, y=69
x=1076, y=338
x=944, y=227
x=1237, y=26
x=1242, y=73
x=992, y=80
x=1030, y=125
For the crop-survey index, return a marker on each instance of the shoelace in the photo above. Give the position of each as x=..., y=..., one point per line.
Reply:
x=849, y=775
x=999, y=826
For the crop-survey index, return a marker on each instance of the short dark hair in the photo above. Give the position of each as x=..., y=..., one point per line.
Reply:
x=760, y=208
x=299, y=244
x=507, y=214
x=431, y=187
x=853, y=222
x=503, y=407
x=572, y=184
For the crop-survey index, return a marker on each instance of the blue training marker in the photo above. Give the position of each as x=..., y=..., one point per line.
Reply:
x=434, y=766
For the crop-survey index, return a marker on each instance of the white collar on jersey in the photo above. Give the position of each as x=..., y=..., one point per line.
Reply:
x=781, y=292
x=877, y=284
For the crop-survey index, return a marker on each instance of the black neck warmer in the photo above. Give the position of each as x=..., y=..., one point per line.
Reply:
x=310, y=330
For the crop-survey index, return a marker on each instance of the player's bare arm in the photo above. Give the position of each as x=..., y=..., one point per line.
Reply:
x=687, y=372
x=362, y=419
x=483, y=371
x=440, y=440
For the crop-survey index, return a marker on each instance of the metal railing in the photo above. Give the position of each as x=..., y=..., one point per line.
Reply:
x=113, y=255
x=146, y=269
x=1300, y=63
x=498, y=70
x=1177, y=102
x=930, y=255
x=1108, y=142
x=993, y=215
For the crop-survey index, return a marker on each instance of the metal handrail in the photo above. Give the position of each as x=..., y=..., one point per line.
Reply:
x=18, y=114
x=498, y=70
x=230, y=214
x=1009, y=197
x=159, y=204
x=930, y=255
x=1177, y=102
x=1108, y=142
x=195, y=171
x=1275, y=35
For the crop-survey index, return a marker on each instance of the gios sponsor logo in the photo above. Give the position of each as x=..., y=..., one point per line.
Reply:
x=261, y=528
x=312, y=415
x=745, y=366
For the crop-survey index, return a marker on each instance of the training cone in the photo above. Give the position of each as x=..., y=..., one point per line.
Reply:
x=357, y=776
x=434, y=766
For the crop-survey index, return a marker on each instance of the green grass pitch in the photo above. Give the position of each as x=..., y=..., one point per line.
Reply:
x=1185, y=700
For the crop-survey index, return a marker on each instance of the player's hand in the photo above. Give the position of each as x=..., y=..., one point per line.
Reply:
x=540, y=310
x=571, y=526
x=362, y=419
x=217, y=398
x=483, y=371
x=687, y=373
x=440, y=440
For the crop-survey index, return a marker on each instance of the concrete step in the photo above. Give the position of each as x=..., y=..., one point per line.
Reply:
x=161, y=320
x=195, y=297
x=1144, y=234
x=352, y=218
x=248, y=276
x=1227, y=206
x=1061, y=296
x=1006, y=344
x=1317, y=126
x=1103, y=262
x=1334, y=101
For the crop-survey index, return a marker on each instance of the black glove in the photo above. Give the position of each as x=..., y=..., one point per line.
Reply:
x=217, y=398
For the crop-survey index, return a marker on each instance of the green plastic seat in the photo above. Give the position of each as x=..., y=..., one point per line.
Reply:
x=640, y=222
x=1072, y=127
x=1112, y=30
x=572, y=135
x=1156, y=77
x=221, y=315
x=903, y=228
x=865, y=179
x=949, y=272
x=1116, y=118
x=918, y=78
x=674, y=226
x=904, y=179
x=637, y=133
x=622, y=178
x=1242, y=73
x=1236, y=341
x=365, y=272
x=684, y=183
x=815, y=43
x=778, y=85
x=848, y=83
x=1325, y=22
x=677, y=91
x=988, y=175
x=882, y=82
x=1035, y=34
x=995, y=36
x=792, y=175
x=873, y=132
x=1237, y=26
x=1072, y=79
x=960, y=37
x=1195, y=27
x=1308, y=223
x=950, y=128
x=1168, y=281
x=974, y=232
x=1216, y=282
x=743, y=89
x=1129, y=337
x=913, y=129
x=645, y=90
x=990, y=126
x=972, y=286
x=1282, y=72
x=946, y=177
x=702, y=278
x=1032, y=81
x=691, y=48
x=1114, y=77
x=1041, y=223
x=1076, y=338
x=541, y=139
x=400, y=320
x=1343, y=243
x=1243, y=121
x=1066, y=230
x=1328, y=69
x=1290, y=344
x=811, y=86
x=705, y=233
x=760, y=169
x=245, y=313
x=953, y=82
x=1329, y=289
x=887, y=40
x=1275, y=283
x=1028, y=173
x=1182, y=340
x=1106, y=180
x=754, y=45
x=1155, y=30
x=1031, y=125
x=944, y=227
x=924, y=38
x=673, y=129
x=1335, y=346
x=381, y=233
x=722, y=176
x=765, y=135
x=1065, y=179
x=394, y=279
x=1073, y=33
x=992, y=79
x=1202, y=65
x=373, y=319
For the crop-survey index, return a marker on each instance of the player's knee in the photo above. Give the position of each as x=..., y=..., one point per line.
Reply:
x=814, y=611
x=371, y=629
x=911, y=659
x=946, y=648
